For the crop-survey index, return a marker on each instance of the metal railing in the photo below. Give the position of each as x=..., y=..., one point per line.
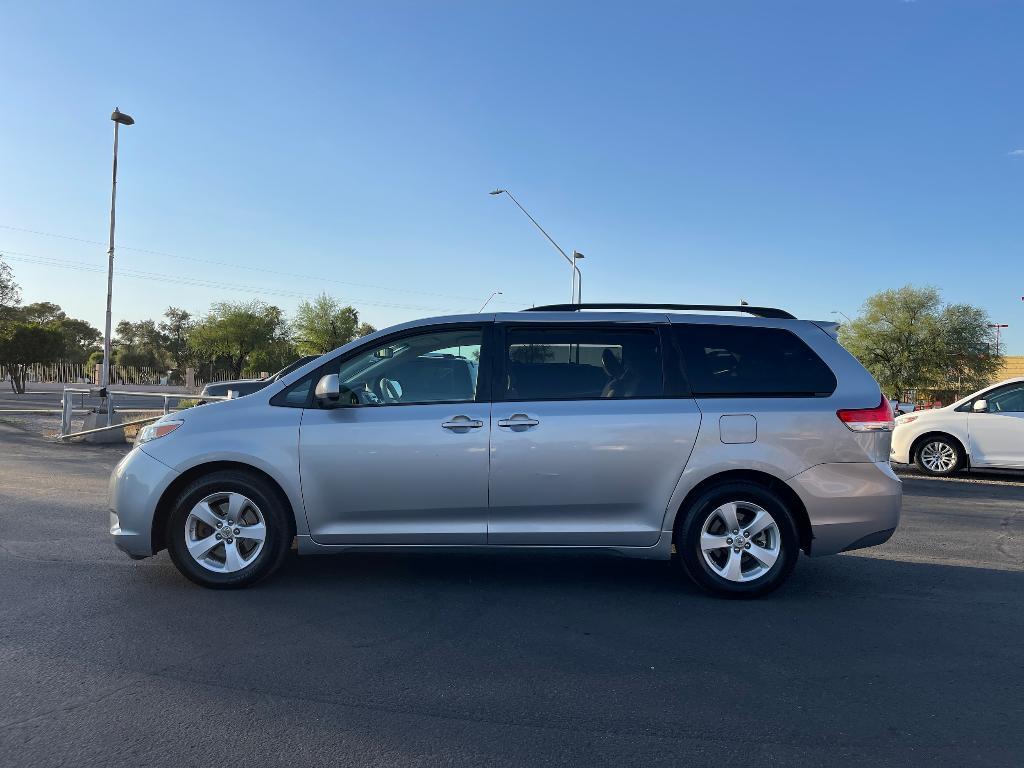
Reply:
x=67, y=408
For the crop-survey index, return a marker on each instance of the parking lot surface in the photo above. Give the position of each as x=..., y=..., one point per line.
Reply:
x=906, y=654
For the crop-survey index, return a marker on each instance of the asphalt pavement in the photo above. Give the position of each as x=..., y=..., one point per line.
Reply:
x=902, y=655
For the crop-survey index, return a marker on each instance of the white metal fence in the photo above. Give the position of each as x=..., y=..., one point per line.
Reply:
x=67, y=373
x=83, y=373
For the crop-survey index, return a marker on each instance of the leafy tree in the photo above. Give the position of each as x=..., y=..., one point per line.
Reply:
x=176, y=327
x=10, y=293
x=908, y=340
x=141, y=344
x=968, y=359
x=80, y=338
x=274, y=356
x=234, y=331
x=325, y=324
x=27, y=343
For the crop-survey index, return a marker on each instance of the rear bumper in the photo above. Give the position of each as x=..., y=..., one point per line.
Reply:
x=136, y=485
x=850, y=505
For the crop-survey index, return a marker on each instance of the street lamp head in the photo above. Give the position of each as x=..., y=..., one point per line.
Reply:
x=120, y=117
x=497, y=192
x=577, y=255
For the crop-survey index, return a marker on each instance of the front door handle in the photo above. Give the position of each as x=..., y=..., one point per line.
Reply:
x=462, y=422
x=518, y=420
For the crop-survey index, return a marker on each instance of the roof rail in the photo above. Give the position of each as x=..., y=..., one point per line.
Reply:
x=779, y=314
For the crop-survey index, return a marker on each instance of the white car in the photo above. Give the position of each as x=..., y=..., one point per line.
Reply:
x=985, y=429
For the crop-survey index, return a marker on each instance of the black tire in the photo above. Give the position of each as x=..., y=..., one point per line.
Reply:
x=277, y=519
x=691, y=556
x=943, y=445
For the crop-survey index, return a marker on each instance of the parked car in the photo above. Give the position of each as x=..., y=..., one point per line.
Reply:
x=244, y=387
x=898, y=408
x=733, y=443
x=985, y=429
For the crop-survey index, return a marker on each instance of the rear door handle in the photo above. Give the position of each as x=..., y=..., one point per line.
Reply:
x=518, y=420
x=462, y=422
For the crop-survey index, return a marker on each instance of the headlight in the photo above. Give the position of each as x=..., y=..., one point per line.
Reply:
x=154, y=431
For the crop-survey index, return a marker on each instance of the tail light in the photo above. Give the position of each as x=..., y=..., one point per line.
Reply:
x=877, y=419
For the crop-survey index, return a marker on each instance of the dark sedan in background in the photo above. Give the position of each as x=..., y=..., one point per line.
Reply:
x=247, y=386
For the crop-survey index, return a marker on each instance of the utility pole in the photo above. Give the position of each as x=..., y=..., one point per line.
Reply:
x=119, y=119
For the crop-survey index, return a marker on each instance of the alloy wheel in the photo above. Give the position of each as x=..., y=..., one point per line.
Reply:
x=740, y=541
x=225, y=532
x=938, y=456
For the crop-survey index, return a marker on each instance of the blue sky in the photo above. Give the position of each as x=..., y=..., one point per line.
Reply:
x=802, y=155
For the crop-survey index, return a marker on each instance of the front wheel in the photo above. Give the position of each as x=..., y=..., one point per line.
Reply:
x=228, y=529
x=738, y=540
x=939, y=456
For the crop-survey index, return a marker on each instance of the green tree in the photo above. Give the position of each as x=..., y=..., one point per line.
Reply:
x=10, y=293
x=325, y=324
x=235, y=331
x=967, y=348
x=908, y=340
x=176, y=327
x=27, y=343
x=80, y=338
x=141, y=344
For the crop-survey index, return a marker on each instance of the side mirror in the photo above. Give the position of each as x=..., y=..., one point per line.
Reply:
x=328, y=391
x=980, y=406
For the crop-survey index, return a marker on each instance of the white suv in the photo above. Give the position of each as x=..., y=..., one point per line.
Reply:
x=985, y=429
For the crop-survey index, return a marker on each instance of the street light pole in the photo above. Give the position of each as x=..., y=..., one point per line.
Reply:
x=998, y=327
x=496, y=293
x=575, y=254
x=119, y=119
x=840, y=312
x=577, y=277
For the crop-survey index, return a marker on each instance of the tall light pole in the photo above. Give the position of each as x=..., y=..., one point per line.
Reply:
x=576, y=255
x=998, y=327
x=577, y=277
x=119, y=118
x=495, y=293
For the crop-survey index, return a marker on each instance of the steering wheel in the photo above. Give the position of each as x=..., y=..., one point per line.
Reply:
x=391, y=390
x=365, y=395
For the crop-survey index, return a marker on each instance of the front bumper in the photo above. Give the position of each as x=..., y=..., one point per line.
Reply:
x=850, y=505
x=902, y=439
x=136, y=485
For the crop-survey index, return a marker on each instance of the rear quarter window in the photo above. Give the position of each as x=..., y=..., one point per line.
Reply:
x=748, y=361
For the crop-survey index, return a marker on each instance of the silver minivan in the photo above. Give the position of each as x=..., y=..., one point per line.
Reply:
x=729, y=443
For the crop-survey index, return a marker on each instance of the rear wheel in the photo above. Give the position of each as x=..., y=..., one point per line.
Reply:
x=939, y=456
x=738, y=540
x=228, y=529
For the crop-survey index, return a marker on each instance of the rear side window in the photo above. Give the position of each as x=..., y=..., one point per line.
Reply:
x=746, y=361
x=543, y=363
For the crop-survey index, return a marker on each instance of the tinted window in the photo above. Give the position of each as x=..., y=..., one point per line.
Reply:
x=436, y=366
x=1009, y=400
x=581, y=363
x=432, y=367
x=735, y=361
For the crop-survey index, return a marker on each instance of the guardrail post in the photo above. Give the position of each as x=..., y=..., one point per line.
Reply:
x=65, y=414
x=167, y=399
x=110, y=409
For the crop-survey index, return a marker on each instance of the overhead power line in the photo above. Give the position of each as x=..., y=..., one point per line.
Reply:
x=51, y=261
x=248, y=267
